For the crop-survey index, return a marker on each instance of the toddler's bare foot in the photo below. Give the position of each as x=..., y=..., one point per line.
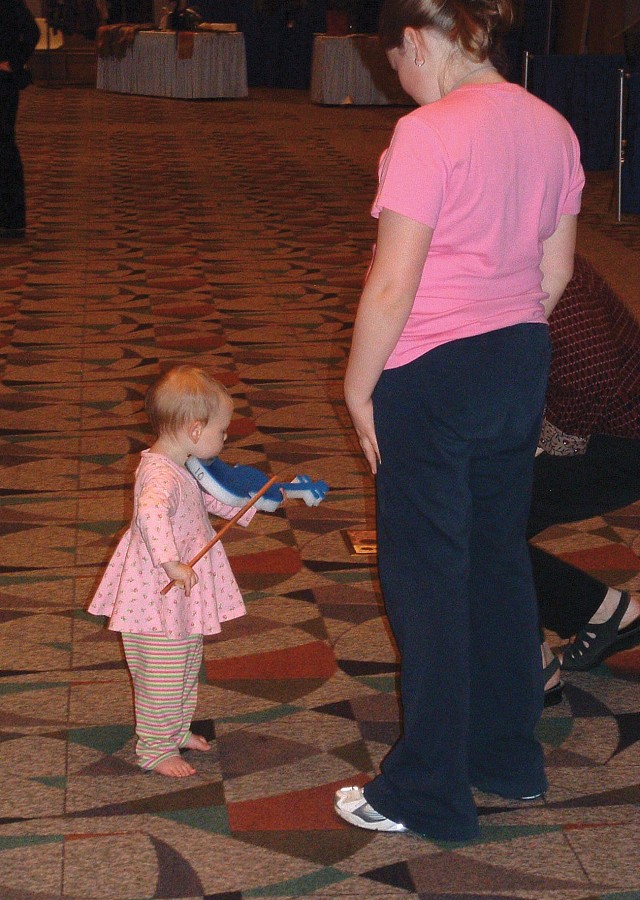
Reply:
x=197, y=742
x=174, y=767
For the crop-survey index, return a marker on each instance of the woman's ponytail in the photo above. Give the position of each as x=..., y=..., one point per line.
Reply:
x=476, y=26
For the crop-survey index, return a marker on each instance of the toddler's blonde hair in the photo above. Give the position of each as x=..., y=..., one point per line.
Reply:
x=183, y=395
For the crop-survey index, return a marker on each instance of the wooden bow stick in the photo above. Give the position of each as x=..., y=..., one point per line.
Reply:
x=265, y=487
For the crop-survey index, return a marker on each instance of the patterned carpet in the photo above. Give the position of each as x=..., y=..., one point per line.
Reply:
x=237, y=234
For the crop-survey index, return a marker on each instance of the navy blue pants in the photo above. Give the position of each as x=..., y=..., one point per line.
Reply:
x=457, y=430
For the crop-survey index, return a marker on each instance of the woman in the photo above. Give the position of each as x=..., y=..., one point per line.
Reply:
x=477, y=204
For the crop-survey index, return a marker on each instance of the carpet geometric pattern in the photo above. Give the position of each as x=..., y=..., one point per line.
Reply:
x=237, y=234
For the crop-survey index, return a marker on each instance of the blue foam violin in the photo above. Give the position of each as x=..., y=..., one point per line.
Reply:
x=234, y=485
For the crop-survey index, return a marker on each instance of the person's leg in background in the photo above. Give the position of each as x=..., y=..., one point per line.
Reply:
x=567, y=597
x=12, y=199
x=570, y=489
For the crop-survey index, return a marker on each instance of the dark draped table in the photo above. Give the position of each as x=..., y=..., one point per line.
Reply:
x=278, y=36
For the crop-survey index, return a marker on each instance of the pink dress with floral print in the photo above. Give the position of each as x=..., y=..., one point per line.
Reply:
x=170, y=522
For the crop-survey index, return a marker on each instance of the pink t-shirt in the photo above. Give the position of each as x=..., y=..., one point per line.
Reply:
x=491, y=169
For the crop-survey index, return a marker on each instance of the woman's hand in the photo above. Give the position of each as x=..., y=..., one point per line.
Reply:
x=383, y=311
x=182, y=574
x=362, y=416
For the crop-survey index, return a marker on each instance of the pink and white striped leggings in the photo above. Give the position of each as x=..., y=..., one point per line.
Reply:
x=165, y=691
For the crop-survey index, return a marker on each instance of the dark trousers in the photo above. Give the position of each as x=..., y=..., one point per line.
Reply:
x=457, y=431
x=12, y=203
x=569, y=489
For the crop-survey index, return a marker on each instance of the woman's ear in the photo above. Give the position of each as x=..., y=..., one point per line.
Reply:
x=414, y=45
x=410, y=39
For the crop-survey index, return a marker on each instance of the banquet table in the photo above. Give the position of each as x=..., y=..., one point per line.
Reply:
x=152, y=66
x=353, y=69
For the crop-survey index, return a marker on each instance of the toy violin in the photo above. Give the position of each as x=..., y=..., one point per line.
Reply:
x=234, y=485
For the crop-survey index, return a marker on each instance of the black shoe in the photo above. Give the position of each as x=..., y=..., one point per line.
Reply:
x=593, y=643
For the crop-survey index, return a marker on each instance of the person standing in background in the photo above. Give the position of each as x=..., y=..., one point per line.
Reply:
x=19, y=35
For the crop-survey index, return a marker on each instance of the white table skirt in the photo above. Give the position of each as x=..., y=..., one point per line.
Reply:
x=218, y=67
x=353, y=69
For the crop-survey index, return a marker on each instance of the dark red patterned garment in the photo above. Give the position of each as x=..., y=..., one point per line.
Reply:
x=594, y=383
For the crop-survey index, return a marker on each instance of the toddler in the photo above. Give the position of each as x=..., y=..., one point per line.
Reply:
x=162, y=635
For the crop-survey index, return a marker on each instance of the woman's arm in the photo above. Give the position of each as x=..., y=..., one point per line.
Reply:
x=558, y=253
x=387, y=299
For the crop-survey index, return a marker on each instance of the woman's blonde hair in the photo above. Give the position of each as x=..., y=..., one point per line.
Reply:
x=183, y=395
x=476, y=26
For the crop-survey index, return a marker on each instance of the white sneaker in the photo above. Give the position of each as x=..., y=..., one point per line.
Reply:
x=351, y=805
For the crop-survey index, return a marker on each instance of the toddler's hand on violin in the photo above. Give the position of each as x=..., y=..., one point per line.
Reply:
x=182, y=574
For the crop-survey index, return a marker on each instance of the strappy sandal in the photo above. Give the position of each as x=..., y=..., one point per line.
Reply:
x=552, y=695
x=593, y=643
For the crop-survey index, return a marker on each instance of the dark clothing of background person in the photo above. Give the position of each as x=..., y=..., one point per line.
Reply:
x=19, y=35
x=591, y=437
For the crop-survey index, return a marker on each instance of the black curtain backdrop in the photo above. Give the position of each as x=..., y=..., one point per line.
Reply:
x=134, y=11
x=584, y=89
x=631, y=167
x=278, y=36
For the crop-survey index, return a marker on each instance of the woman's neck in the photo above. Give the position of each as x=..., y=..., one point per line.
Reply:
x=485, y=73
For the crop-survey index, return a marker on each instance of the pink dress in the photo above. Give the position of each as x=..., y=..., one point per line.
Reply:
x=170, y=522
